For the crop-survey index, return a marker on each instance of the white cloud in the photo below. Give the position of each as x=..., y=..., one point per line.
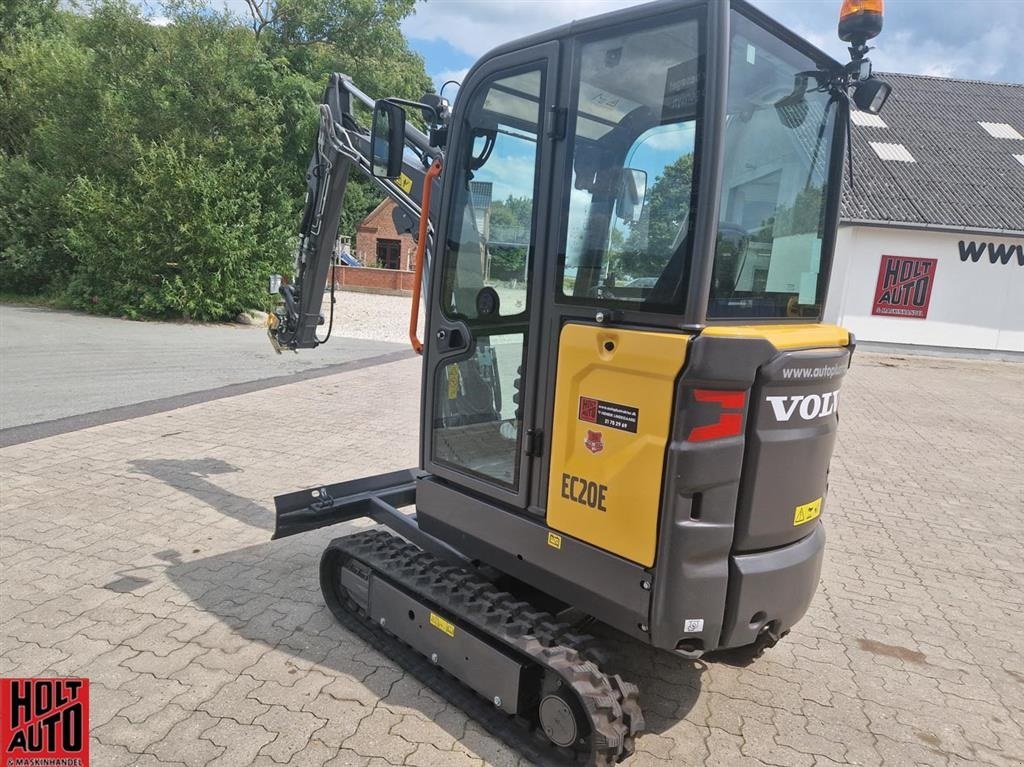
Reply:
x=984, y=58
x=671, y=138
x=455, y=75
x=976, y=40
x=475, y=27
x=512, y=175
x=159, y=21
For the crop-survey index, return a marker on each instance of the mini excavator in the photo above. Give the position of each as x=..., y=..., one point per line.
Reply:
x=624, y=230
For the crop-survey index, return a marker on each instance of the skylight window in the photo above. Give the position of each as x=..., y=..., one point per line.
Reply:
x=892, y=152
x=867, y=120
x=1002, y=130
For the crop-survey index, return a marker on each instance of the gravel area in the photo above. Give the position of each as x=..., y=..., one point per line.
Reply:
x=371, y=316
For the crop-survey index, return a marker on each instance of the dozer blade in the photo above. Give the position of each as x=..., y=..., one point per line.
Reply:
x=326, y=505
x=524, y=676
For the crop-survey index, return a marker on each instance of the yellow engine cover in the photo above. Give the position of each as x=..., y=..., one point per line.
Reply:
x=613, y=414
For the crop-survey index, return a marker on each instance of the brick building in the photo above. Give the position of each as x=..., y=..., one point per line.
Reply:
x=387, y=257
x=378, y=243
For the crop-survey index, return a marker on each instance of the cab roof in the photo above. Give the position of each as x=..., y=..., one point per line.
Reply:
x=647, y=10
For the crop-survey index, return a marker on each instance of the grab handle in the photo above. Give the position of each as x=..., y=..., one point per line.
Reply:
x=421, y=249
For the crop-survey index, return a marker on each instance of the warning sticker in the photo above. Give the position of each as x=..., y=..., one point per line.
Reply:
x=404, y=183
x=807, y=513
x=554, y=541
x=621, y=417
x=454, y=379
x=442, y=625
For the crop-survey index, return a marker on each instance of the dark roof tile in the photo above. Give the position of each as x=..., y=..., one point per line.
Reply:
x=962, y=175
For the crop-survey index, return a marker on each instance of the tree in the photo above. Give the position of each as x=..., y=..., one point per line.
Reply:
x=30, y=258
x=649, y=245
x=805, y=215
x=160, y=171
x=510, y=224
x=512, y=216
x=19, y=15
x=361, y=38
x=184, y=236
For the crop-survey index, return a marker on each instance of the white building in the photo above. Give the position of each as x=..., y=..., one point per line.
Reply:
x=930, y=250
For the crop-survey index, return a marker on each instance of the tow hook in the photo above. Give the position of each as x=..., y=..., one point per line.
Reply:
x=768, y=638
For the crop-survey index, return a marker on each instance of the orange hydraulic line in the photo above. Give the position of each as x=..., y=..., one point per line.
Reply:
x=421, y=249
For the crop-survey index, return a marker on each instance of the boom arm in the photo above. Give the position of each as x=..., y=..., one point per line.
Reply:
x=342, y=145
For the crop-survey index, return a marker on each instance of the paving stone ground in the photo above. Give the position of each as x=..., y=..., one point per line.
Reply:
x=137, y=554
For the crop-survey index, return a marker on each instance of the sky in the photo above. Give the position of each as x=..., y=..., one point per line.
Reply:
x=971, y=39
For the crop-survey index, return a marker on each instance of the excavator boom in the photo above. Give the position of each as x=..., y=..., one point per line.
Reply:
x=342, y=146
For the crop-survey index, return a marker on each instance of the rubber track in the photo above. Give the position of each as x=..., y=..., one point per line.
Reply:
x=611, y=704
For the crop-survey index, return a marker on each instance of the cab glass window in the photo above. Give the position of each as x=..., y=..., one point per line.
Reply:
x=490, y=241
x=634, y=139
x=780, y=121
x=478, y=416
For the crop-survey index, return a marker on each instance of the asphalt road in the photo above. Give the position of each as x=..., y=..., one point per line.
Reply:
x=56, y=366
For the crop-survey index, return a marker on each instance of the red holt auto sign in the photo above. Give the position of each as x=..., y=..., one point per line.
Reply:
x=904, y=287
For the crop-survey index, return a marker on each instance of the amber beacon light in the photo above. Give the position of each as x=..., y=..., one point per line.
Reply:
x=860, y=20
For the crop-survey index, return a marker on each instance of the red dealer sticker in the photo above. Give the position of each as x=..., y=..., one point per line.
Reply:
x=44, y=722
x=622, y=417
x=904, y=287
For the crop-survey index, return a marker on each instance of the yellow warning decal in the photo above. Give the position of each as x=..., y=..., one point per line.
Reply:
x=442, y=625
x=454, y=379
x=405, y=183
x=807, y=513
x=554, y=541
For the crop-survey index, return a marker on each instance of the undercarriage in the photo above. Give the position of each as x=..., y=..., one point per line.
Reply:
x=513, y=658
x=539, y=683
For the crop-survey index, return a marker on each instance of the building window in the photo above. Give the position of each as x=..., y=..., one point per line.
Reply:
x=389, y=254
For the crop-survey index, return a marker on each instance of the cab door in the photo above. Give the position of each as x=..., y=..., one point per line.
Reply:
x=484, y=314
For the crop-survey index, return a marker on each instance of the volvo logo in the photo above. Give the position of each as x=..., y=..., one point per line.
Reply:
x=806, y=406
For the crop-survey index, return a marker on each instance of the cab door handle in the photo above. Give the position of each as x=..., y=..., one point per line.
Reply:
x=453, y=338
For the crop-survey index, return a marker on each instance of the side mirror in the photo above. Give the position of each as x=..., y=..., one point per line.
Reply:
x=387, y=140
x=632, y=190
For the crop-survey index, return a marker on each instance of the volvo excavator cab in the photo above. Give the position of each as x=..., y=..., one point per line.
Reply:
x=629, y=400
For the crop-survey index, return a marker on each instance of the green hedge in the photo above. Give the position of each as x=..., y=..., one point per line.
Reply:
x=153, y=171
